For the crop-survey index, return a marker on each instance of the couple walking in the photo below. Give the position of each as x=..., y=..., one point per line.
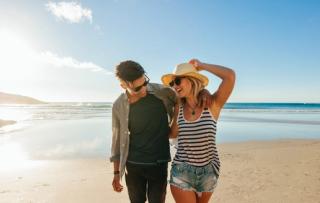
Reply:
x=146, y=115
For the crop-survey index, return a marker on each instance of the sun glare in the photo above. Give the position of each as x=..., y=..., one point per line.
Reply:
x=12, y=157
x=17, y=57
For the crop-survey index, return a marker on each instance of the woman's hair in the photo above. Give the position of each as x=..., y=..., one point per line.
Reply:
x=196, y=87
x=129, y=71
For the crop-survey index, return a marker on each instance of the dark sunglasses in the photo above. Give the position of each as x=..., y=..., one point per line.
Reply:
x=137, y=89
x=176, y=81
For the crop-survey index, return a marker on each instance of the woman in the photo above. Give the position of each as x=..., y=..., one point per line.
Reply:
x=195, y=167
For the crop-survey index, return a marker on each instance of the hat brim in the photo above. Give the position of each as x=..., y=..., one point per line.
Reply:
x=166, y=79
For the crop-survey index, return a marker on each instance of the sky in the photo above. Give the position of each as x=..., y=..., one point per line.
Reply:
x=67, y=50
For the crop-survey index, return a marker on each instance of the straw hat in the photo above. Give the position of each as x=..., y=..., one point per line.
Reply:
x=184, y=69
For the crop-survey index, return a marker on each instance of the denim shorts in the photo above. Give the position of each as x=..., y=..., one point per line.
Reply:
x=194, y=178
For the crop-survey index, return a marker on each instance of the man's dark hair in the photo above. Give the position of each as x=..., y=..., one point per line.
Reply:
x=129, y=70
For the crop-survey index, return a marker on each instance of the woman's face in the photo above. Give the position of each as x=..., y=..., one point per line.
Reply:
x=182, y=86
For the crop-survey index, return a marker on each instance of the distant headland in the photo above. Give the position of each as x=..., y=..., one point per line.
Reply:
x=6, y=122
x=6, y=98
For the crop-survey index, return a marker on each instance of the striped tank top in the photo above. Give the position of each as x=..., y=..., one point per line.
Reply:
x=197, y=141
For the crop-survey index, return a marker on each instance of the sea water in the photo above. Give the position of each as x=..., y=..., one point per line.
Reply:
x=83, y=130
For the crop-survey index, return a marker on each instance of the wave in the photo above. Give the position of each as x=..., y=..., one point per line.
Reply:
x=56, y=111
x=274, y=106
x=268, y=120
x=275, y=110
x=87, y=110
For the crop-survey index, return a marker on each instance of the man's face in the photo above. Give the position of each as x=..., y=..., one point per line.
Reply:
x=138, y=87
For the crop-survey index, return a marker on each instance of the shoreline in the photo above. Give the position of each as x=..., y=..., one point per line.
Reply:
x=286, y=170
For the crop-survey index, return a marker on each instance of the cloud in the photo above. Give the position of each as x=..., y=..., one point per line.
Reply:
x=71, y=12
x=27, y=71
x=69, y=62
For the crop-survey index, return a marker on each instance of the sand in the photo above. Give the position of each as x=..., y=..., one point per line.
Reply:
x=260, y=171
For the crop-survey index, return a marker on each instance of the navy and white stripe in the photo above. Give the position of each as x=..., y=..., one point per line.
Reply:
x=197, y=140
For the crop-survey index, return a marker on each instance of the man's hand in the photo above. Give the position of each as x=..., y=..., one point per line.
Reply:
x=116, y=183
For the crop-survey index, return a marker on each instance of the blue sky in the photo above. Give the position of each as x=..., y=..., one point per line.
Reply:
x=67, y=50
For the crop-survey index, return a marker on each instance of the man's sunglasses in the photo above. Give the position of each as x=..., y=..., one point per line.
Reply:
x=137, y=89
x=176, y=81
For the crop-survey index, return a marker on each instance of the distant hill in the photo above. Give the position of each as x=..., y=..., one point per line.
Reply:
x=4, y=123
x=6, y=98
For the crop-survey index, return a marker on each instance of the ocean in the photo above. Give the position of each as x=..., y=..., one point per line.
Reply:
x=83, y=130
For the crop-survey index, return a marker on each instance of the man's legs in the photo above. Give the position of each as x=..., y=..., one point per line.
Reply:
x=157, y=183
x=136, y=183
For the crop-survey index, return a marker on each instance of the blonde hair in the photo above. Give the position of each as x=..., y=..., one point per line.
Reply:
x=196, y=87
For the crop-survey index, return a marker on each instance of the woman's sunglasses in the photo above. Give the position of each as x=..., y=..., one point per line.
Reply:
x=137, y=89
x=176, y=81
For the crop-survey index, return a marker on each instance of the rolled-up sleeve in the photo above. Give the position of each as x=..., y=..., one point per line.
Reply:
x=115, y=148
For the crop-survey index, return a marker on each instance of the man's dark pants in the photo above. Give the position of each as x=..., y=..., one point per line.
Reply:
x=146, y=180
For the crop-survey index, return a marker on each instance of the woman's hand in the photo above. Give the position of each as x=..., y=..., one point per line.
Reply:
x=196, y=63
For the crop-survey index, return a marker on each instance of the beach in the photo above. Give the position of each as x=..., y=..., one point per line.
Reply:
x=85, y=81
x=268, y=153
x=253, y=171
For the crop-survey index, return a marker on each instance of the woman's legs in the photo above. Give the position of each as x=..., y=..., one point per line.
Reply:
x=183, y=196
x=205, y=197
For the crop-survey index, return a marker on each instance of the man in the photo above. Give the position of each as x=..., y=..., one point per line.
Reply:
x=140, y=127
